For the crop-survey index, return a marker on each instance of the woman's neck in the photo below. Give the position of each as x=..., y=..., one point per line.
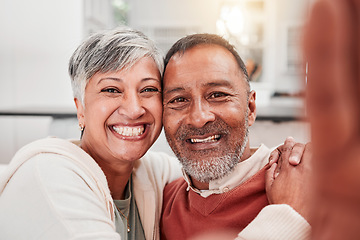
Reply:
x=117, y=173
x=117, y=181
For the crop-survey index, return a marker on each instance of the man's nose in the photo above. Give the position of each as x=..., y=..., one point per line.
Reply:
x=200, y=114
x=132, y=106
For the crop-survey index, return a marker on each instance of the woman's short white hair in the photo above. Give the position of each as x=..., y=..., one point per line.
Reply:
x=110, y=50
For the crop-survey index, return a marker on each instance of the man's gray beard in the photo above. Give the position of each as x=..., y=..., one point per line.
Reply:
x=216, y=167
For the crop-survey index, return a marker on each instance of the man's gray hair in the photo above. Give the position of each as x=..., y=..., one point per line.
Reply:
x=193, y=40
x=110, y=50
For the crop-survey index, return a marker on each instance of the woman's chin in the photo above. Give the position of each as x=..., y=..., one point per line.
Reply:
x=131, y=154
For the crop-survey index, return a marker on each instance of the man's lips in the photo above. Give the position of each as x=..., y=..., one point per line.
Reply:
x=209, y=139
x=129, y=131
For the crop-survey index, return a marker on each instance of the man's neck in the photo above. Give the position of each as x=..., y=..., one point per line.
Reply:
x=205, y=185
x=199, y=185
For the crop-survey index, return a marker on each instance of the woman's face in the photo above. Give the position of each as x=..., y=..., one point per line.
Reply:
x=122, y=112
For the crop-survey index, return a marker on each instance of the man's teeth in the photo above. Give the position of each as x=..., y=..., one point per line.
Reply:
x=213, y=138
x=129, y=131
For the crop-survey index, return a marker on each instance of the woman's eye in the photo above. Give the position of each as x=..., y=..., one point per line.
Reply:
x=150, y=89
x=110, y=90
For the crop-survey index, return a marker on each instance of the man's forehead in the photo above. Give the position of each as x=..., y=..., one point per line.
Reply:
x=204, y=48
x=202, y=59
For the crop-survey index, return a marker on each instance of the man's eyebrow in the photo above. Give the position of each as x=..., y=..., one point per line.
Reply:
x=177, y=89
x=219, y=83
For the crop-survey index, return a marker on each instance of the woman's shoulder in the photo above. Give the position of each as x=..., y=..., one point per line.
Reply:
x=156, y=158
x=57, y=189
x=49, y=145
x=158, y=165
x=52, y=148
x=57, y=154
x=159, y=155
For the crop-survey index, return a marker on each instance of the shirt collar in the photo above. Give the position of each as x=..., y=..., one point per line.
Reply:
x=242, y=172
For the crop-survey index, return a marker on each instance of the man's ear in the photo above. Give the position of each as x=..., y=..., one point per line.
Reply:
x=252, y=108
x=80, y=111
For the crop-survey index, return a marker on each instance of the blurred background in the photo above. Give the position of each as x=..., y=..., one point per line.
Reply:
x=39, y=36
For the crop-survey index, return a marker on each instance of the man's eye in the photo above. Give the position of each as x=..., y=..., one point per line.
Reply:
x=178, y=100
x=110, y=90
x=178, y=103
x=218, y=95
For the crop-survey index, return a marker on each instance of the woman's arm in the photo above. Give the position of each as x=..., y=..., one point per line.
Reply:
x=50, y=197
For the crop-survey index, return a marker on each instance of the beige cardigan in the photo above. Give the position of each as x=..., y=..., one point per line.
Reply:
x=150, y=175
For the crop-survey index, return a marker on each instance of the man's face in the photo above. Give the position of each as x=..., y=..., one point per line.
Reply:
x=207, y=111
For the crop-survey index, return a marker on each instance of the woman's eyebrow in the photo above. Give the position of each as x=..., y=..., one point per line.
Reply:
x=121, y=80
x=151, y=79
x=110, y=78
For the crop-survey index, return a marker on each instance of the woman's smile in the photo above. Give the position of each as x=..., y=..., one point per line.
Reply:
x=129, y=131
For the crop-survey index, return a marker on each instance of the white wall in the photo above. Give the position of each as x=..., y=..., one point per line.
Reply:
x=287, y=14
x=37, y=38
x=165, y=21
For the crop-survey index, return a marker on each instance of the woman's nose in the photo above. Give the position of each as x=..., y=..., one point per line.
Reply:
x=132, y=107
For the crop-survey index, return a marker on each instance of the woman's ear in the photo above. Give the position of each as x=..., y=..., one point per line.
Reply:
x=251, y=108
x=80, y=112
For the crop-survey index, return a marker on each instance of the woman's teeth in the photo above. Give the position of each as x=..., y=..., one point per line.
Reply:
x=213, y=138
x=129, y=131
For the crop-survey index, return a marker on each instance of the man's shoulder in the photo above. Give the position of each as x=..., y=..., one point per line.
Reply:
x=260, y=152
x=175, y=185
x=174, y=188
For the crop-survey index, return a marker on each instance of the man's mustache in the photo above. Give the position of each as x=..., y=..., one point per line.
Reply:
x=186, y=131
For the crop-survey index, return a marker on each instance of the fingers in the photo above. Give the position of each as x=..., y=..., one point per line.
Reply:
x=307, y=153
x=296, y=154
x=288, y=144
x=274, y=156
x=285, y=151
x=291, y=152
x=270, y=176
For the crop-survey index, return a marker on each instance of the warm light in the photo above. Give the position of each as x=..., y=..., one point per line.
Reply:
x=231, y=20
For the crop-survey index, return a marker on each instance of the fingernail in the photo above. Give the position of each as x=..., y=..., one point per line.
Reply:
x=294, y=159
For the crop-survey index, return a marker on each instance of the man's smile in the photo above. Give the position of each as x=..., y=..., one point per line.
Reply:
x=210, y=139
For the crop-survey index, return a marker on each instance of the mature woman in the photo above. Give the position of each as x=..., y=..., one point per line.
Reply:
x=97, y=187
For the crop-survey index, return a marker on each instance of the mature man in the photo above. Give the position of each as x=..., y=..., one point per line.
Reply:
x=208, y=107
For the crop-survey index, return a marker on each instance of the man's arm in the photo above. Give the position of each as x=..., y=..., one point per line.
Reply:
x=286, y=185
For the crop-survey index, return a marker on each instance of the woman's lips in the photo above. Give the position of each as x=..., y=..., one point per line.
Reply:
x=129, y=131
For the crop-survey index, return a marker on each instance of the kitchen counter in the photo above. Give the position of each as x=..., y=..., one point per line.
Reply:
x=279, y=109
